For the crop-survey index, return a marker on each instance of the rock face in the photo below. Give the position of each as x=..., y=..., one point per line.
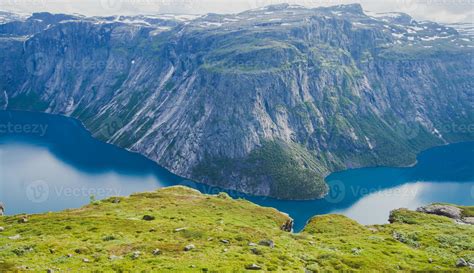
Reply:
x=288, y=226
x=267, y=101
x=442, y=210
x=448, y=211
x=2, y=209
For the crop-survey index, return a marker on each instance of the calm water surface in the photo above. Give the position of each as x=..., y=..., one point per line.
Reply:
x=51, y=163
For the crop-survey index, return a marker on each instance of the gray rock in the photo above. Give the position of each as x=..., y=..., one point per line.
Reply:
x=156, y=252
x=268, y=243
x=2, y=209
x=461, y=263
x=189, y=247
x=148, y=218
x=85, y=260
x=256, y=251
x=468, y=220
x=179, y=229
x=442, y=210
x=2, y=229
x=136, y=255
x=115, y=258
x=253, y=267
x=224, y=241
x=15, y=237
x=252, y=244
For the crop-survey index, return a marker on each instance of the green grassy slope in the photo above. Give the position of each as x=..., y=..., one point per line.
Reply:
x=113, y=236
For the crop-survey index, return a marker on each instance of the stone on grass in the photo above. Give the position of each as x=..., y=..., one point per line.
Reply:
x=253, y=267
x=189, y=247
x=156, y=252
x=442, y=210
x=148, y=218
x=136, y=255
x=268, y=243
x=16, y=237
x=461, y=263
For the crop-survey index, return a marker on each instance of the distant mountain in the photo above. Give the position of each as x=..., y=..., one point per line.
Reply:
x=267, y=101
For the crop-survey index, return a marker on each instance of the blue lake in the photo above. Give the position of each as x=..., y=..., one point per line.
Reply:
x=51, y=163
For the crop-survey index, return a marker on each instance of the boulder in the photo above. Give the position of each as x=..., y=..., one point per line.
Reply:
x=148, y=218
x=189, y=247
x=16, y=237
x=114, y=257
x=253, y=267
x=156, y=252
x=136, y=255
x=468, y=220
x=442, y=210
x=461, y=263
x=2, y=229
x=268, y=243
x=2, y=209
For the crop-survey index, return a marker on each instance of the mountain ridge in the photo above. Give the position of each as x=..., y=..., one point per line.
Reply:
x=266, y=101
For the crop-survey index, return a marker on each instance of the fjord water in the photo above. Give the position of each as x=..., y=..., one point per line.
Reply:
x=51, y=163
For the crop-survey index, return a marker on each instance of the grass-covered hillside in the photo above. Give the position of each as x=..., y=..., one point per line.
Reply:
x=180, y=230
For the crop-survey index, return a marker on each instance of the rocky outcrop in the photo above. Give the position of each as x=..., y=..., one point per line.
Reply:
x=2, y=209
x=449, y=211
x=288, y=226
x=442, y=210
x=266, y=102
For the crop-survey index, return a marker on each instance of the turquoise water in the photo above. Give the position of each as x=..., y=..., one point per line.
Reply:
x=51, y=163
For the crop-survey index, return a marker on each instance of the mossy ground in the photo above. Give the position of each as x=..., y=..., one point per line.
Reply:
x=221, y=229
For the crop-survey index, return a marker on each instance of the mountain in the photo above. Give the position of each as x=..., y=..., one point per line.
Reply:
x=180, y=230
x=267, y=102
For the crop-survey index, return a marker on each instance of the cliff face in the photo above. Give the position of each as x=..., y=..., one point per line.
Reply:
x=267, y=102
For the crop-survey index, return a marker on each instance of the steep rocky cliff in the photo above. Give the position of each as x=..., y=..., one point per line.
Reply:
x=267, y=101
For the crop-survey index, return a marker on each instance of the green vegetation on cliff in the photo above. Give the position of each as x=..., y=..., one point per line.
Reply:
x=180, y=230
